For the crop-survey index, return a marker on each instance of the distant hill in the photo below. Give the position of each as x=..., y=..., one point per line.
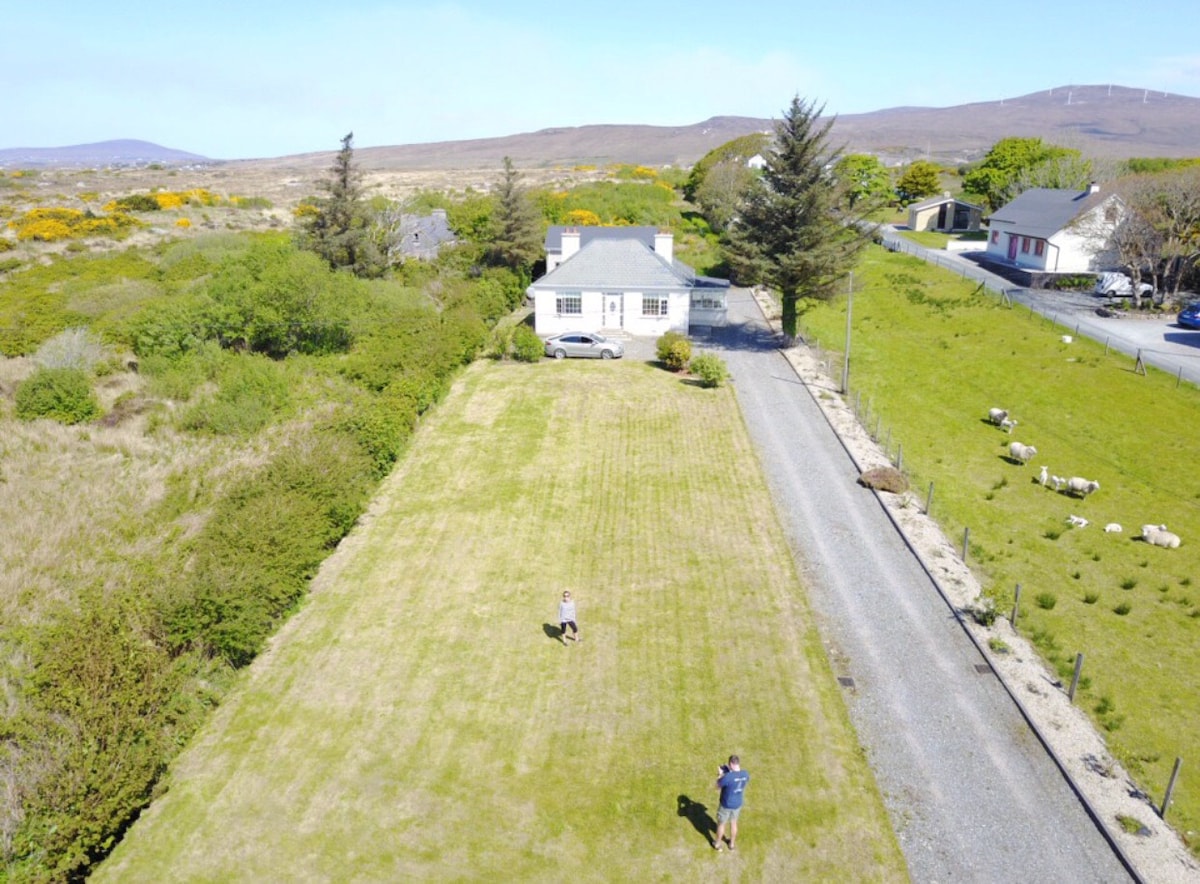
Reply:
x=122, y=152
x=1102, y=121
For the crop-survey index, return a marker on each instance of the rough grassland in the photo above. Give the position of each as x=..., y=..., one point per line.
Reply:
x=419, y=718
x=932, y=355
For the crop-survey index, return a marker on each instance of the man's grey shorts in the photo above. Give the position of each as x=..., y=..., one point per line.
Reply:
x=727, y=814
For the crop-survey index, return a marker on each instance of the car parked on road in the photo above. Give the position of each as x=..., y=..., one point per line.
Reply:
x=1189, y=316
x=1118, y=285
x=587, y=345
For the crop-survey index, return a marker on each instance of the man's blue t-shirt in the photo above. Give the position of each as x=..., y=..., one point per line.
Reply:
x=733, y=784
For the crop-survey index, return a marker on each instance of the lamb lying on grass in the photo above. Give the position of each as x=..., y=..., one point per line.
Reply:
x=1158, y=535
x=1022, y=454
x=1112, y=528
x=1081, y=487
x=1077, y=521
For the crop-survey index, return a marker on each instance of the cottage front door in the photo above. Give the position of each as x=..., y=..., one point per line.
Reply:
x=614, y=310
x=1012, y=247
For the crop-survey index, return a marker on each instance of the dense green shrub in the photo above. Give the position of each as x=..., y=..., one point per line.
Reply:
x=380, y=424
x=61, y=394
x=105, y=708
x=674, y=350
x=137, y=202
x=711, y=369
x=251, y=390
x=264, y=542
x=526, y=345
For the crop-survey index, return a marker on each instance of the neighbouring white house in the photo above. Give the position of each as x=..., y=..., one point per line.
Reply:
x=945, y=214
x=621, y=279
x=1056, y=231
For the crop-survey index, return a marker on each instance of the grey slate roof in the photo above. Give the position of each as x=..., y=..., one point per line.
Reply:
x=932, y=201
x=1043, y=211
x=589, y=234
x=618, y=264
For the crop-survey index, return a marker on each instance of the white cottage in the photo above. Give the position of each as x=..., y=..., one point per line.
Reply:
x=1056, y=231
x=621, y=279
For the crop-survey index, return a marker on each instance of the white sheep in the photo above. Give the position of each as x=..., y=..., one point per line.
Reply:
x=1077, y=521
x=1158, y=535
x=1112, y=528
x=1007, y=424
x=1057, y=482
x=1021, y=453
x=997, y=415
x=1043, y=477
x=1081, y=487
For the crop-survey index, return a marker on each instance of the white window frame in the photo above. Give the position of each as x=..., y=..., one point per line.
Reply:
x=567, y=300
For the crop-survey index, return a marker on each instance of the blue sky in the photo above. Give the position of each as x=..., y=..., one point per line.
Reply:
x=264, y=78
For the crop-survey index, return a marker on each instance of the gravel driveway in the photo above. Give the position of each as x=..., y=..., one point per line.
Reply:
x=972, y=794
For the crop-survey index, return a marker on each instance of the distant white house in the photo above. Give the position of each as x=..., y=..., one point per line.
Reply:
x=621, y=279
x=1056, y=231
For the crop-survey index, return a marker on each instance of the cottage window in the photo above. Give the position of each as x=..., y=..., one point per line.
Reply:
x=995, y=236
x=569, y=304
x=1039, y=247
x=1025, y=245
x=707, y=302
x=653, y=305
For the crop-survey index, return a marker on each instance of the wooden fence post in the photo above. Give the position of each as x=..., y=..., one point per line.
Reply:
x=1075, y=678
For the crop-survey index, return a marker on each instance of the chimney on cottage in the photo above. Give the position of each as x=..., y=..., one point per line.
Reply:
x=1093, y=187
x=570, y=243
x=664, y=245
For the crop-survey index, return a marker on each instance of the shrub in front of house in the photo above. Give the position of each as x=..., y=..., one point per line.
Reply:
x=711, y=369
x=674, y=350
x=526, y=345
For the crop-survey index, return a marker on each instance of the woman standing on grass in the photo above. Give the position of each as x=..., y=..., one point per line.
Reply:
x=566, y=617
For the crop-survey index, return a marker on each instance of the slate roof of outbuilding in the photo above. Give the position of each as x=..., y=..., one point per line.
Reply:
x=618, y=264
x=1044, y=211
x=932, y=201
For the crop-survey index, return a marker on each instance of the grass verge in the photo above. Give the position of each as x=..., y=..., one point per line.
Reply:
x=419, y=718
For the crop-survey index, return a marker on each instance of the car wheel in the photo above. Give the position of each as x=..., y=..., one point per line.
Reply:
x=560, y=353
x=606, y=354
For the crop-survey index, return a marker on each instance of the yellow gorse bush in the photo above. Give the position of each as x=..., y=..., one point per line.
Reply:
x=53, y=223
x=183, y=222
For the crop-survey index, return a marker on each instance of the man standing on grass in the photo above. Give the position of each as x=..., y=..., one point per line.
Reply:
x=566, y=617
x=731, y=780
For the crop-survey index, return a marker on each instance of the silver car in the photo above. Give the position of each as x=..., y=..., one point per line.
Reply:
x=588, y=345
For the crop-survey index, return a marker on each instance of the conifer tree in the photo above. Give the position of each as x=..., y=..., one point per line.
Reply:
x=340, y=228
x=517, y=234
x=791, y=231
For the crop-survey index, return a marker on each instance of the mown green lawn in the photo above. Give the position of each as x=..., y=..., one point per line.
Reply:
x=418, y=719
x=931, y=355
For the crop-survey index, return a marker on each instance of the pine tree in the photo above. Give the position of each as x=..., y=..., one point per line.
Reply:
x=791, y=232
x=340, y=228
x=517, y=239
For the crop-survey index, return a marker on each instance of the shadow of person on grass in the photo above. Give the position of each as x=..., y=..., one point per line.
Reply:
x=697, y=814
x=553, y=632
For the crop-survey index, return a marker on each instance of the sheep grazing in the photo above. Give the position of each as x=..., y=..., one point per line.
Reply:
x=1081, y=487
x=1007, y=424
x=1043, y=477
x=1158, y=535
x=1021, y=453
x=1077, y=521
x=1112, y=528
x=997, y=415
x=1057, y=482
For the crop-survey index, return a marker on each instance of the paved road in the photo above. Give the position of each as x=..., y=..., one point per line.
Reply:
x=969, y=789
x=1161, y=342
